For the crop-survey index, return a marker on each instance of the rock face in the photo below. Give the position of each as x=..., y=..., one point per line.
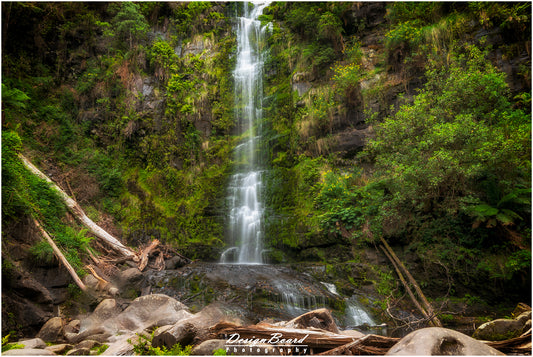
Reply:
x=503, y=329
x=438, y=341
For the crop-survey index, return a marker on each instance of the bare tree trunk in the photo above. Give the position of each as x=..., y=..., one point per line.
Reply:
x=61, y=257
x=406, y=286
x=76, y=210
x=433, y=318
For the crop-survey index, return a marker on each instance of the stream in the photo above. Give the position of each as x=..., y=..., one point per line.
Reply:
x=259, y=292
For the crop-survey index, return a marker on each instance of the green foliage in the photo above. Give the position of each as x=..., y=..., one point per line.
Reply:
x=505, y=15
x=13, y=98
x=435, y=154
x=507, y=267
x=163, y=58
x=348, y=207
x=144, y=347
x=219, y=352
x=129, y=25
x=6, y=346
x=100, y=349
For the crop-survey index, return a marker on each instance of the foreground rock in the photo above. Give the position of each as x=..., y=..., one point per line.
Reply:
x=194, y=329
x=207, y=348
x=28, y=352
x=504, y=329
x=52, y=330
x=321, y=319
x=434, y=341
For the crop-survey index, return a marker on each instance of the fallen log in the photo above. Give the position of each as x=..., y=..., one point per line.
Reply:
x=517, y=345
x=80, y=215
x=433, y=319
x=315, y=339
x=60, y=256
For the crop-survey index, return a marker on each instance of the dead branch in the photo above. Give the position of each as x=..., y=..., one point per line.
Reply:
x=428, y=308
x=406, y=286
x=143, y=259
x=159, y=262
x=96, y=275
x=77, y=211
x=342, y=349
x=61, y=257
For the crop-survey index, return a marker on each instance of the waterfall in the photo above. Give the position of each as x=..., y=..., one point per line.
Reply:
x=245, y=226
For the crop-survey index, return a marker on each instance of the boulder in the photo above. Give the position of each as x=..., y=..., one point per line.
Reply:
x=194, y=329
x=59, y=349
x=321, y=319
x=98, y=333
x=175, y=262
x=79, y=352
x=120, y=346
x=72, y=327
x=182, y=333
x=32, y=343
x=106, y=310
x=90, y=281
x=52, y=330
x=129, y=282
x=150, y=311
x=28, y=352
x=87, y=344
x=207, y=348
x=434, y=341
x=502, y=329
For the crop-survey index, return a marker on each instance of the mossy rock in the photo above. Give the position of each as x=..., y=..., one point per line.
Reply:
x=499, y=330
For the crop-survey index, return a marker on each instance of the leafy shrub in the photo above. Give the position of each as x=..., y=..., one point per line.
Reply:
x=435, y=153
x=6, y=346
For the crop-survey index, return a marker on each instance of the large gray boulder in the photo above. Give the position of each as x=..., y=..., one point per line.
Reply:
x=32, y=343
x=150, y=311
x=435, y=341
x=502, y=329
x=52, y=330
x=106, y=310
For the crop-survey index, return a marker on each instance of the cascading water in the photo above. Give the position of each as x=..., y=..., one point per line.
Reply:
x=245, y=231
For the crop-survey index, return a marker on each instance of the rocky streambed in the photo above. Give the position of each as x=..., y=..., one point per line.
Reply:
x=243, y=309
x=157, y=321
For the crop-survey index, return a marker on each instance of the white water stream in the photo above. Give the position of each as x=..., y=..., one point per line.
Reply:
x=245, y=228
